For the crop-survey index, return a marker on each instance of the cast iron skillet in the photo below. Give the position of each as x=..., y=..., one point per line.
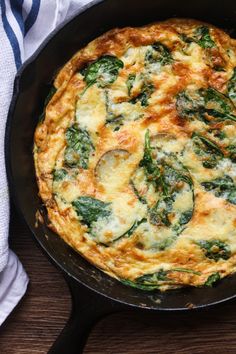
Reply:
x=94, y=294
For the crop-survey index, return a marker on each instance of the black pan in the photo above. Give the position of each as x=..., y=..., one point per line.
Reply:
x=94, y=294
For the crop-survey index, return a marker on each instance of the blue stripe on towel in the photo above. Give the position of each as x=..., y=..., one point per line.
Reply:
x=31, y=18
x=16, y=8
x=11, y=36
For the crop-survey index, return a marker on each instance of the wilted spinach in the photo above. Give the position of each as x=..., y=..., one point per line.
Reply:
x=215, y=249
x=79, y=147
x=190, y=105
x=185, y=270
x=130, y=82
x=185, y=217
x=153, y=281
x=232, y=87
x=207, y=149
x=150, y=165
x=158, y=53
x=59, y=174
x=165, y=175
x=143, y=97
x=217, y=104
x=159, y=213
x=218, y=134
x=139, y=286
x=223, y=187
x=202, y=103
x=231, y=152
x=212, y=279
x=91, y=209
x=169, y=175
x=103, y=71
x=201, y=36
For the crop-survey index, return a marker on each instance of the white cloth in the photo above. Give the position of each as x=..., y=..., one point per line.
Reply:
x=24, y=24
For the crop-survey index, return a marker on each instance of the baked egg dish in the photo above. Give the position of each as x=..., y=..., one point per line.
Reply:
x=135, y=154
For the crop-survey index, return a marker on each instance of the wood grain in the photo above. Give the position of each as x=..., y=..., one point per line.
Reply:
x=39, y=318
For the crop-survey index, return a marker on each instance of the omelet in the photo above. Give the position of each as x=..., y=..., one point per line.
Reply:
x=135, y=154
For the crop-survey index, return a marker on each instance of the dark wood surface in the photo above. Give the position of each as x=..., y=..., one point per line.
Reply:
x=39, y=318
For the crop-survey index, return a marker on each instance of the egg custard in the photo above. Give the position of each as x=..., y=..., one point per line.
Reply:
x=135, y=154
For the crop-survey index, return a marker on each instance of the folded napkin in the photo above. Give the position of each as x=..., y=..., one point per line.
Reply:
x=24, y=24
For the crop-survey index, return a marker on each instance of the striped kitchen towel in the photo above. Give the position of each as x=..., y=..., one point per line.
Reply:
x=24, y=24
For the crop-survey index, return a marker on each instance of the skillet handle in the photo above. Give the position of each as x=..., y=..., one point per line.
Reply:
x=87, y=309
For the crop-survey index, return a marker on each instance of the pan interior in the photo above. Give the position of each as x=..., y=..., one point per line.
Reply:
x=31, y=88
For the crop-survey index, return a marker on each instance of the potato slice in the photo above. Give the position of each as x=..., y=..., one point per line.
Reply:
x=113, y=169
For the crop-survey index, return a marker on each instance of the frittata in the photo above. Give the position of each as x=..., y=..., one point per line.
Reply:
x=135, y=154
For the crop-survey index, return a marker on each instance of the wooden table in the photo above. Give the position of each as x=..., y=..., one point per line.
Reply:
x=40, y=316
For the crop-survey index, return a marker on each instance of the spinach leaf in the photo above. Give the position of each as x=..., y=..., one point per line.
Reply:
x=165, y=175
x=130, y=82
x=79, y=147
x=231, y=150
x=136, y=192
x=219, y=134
x=231, y=87
x=206, y=148
x=201, y=36
x=170, y=173
x=215, y=249
x=167, y=242
x=212, y=279
x=130, y=231
x=152, y=279
x=217, y=105
x=203, y=103
x=190, y=105
x=91, y=209
x=150, y=165
x=135, y=285
x=143, y=97
x=185, y=270
x=59, y=174
x=103, y=71
x=134, y=227
x=113, y=120
x=174, y=171
x=47, y=99
x=159, y=213
x=185, y=217
x=223, y=187
x=158, y=53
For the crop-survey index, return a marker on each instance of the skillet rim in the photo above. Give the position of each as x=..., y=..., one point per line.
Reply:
x=12, y=188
